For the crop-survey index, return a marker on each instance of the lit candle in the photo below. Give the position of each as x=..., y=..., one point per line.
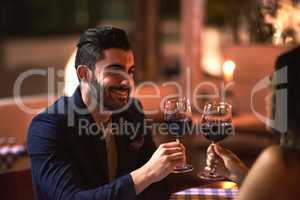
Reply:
x=228, y=69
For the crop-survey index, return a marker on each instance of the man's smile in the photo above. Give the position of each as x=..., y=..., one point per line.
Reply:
x=120, y=92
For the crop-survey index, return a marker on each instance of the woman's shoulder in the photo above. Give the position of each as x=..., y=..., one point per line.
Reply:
x=276, y=169
x=271, y=155
x=280, y=156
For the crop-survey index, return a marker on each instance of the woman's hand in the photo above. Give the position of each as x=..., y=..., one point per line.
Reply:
x=226, y=163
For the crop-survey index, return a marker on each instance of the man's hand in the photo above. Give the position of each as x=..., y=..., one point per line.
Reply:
x=226, y=163
x=165, y=159
x=161, y=164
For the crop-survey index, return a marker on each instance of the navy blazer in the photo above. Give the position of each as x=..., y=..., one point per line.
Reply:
x=69, y=162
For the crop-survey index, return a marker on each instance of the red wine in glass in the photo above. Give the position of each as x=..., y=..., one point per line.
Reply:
x=177, y=112
x=179, y=127
x=216, y=126
x=216, y=131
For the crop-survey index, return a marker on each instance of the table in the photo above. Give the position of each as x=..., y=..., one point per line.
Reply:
x=205, y=194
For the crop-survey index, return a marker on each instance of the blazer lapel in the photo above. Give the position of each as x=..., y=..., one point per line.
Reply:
x=97, y=145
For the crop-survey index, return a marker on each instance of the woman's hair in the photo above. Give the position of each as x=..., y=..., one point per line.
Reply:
x=288, y=68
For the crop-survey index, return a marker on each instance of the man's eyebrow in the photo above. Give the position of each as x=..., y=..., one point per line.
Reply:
x=118, y=66
x=115, y=65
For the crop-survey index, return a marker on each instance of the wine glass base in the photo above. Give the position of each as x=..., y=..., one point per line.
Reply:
x=205, y=175
x=183, y=169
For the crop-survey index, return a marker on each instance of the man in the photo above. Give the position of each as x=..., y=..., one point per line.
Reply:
x=74, y=150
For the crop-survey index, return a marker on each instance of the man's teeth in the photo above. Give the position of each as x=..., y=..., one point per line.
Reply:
x=123, y=93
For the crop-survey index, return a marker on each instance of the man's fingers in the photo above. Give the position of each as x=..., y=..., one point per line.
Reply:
x=176, y=156
x=173, y=150
x=182, y=146
x=177, y=163
x=170, y=145
x=184, y=158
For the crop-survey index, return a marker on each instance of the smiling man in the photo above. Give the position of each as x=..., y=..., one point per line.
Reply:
x=71, y=161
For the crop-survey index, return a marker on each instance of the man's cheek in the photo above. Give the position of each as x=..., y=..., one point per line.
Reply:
x=106, y=85
x=106, y=80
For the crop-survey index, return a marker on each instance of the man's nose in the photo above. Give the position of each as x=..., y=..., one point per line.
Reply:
x=125, y=83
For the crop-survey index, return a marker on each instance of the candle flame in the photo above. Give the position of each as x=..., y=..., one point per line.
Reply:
x=228, y=70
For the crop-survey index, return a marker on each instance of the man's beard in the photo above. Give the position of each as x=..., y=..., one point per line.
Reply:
x=101, y=96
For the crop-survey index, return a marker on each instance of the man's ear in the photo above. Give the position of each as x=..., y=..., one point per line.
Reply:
x=83, y=73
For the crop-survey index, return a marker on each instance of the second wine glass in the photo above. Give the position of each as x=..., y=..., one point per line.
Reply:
x=216, y=125
x=178, y=118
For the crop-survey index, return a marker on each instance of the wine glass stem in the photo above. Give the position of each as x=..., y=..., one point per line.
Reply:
x=212, y=143
x=178, y=140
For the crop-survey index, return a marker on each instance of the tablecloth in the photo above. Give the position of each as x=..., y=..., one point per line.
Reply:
x=205, y=194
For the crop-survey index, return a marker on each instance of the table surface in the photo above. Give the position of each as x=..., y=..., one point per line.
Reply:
x=205, y=194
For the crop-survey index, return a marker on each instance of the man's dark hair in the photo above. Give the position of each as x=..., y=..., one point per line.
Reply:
x=94, y=41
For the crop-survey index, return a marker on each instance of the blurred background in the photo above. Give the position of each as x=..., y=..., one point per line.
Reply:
x=37, y=34
x=221, y=41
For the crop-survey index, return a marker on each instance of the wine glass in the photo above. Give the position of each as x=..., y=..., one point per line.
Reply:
x=216, y=125
x=178, y=118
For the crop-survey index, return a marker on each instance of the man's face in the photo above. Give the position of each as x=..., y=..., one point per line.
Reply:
x=112, y=79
